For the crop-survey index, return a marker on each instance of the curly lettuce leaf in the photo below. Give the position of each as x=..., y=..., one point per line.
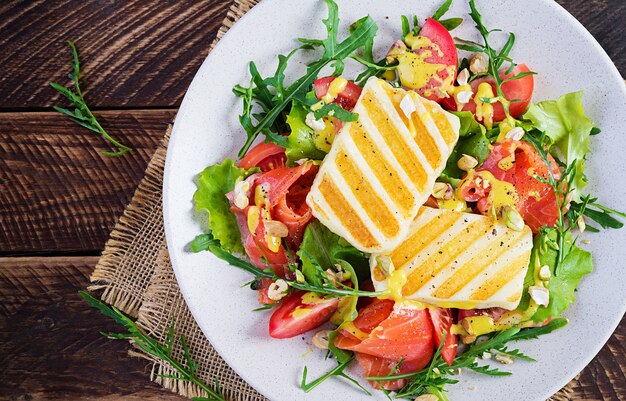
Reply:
x=322, y=249
x=472, y=142
x=300, y=142
x=214, y=182
x=564, y=121
x=564, y=281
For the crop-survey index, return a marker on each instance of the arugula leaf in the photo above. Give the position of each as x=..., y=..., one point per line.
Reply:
x=576, y=264
x=322, y=249
x=451, y=23
x=472, y=142
x=334, y=54
x=565, y=123
x=214, y=182
x=301, y=140
x=334, y=110
x=337, y=371
x=442, y=10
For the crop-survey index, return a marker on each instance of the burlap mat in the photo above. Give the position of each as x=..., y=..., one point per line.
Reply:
x=135, y=275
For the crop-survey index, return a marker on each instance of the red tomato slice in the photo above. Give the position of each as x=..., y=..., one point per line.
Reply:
x=521, y=89
x=443, y=319
x=347, y=98
x=296, y=315
x=376, y=366
x=537, y=201
x=405, y=334
x=266, y=156
x=447, y=56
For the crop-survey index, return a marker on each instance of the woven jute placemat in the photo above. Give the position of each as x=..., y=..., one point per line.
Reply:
x=135, y=275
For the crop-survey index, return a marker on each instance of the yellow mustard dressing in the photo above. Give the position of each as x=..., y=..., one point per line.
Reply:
x=323, y=139
x=502, y=193
x=253, y=218
x=456, y=90
x=301, y=312
x=352, y=329
x=484, y=110
x=334, y=89
x=395, y=283
x=311, y=298
x=415, y=72
x=505, y=126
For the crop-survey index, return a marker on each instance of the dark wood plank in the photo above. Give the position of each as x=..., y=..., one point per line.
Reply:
x=58, y=193
x=50, y=347
x=135, y=53
x=139, y=54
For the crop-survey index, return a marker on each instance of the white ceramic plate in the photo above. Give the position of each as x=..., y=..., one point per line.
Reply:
x=549, y=39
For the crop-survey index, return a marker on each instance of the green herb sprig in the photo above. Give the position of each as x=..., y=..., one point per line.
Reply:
x=206, y=242
x=438, y=374
x=337, y=371
x=187, y=372
x=81, y=114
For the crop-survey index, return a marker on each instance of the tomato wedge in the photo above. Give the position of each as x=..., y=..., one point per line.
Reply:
x=347, y=98
x=517, y=89
x=443, y=319
x=300, y=312
x=440, y=52
x=266, y=156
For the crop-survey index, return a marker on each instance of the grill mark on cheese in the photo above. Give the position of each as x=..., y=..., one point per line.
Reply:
x=422, y=137
x=477, y=264
x=319, y=210
x=388, y=176
x=346, y=213
x=443, y=125
x=395, y=141
x=366, y=195
x=499, y=279
x=446, y=254
x=421, y=238
x=515, y=297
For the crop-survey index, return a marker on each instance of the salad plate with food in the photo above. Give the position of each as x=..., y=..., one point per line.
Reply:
x=402, y=201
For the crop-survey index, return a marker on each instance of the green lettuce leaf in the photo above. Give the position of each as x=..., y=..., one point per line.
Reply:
x=565, y=123
x=472, y=142
x=300, y=142
x=214, y=182
x=563, y=283
x=322, y=249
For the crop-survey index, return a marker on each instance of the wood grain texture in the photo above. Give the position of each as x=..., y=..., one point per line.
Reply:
x=57, y=192
x=50, y=346
x=135, y=53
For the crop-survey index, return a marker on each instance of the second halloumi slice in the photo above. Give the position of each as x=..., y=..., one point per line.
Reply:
x=458, y=260
x=382, y=168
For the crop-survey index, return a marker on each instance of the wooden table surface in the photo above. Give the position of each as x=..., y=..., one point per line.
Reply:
x=59, y=197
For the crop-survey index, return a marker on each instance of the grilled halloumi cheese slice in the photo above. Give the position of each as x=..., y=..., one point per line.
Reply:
x=459, y=260
x=382, y=168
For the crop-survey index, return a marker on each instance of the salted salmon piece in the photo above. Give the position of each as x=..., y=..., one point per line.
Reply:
x=460, y=260
x=382, y=168
x=406, y=334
